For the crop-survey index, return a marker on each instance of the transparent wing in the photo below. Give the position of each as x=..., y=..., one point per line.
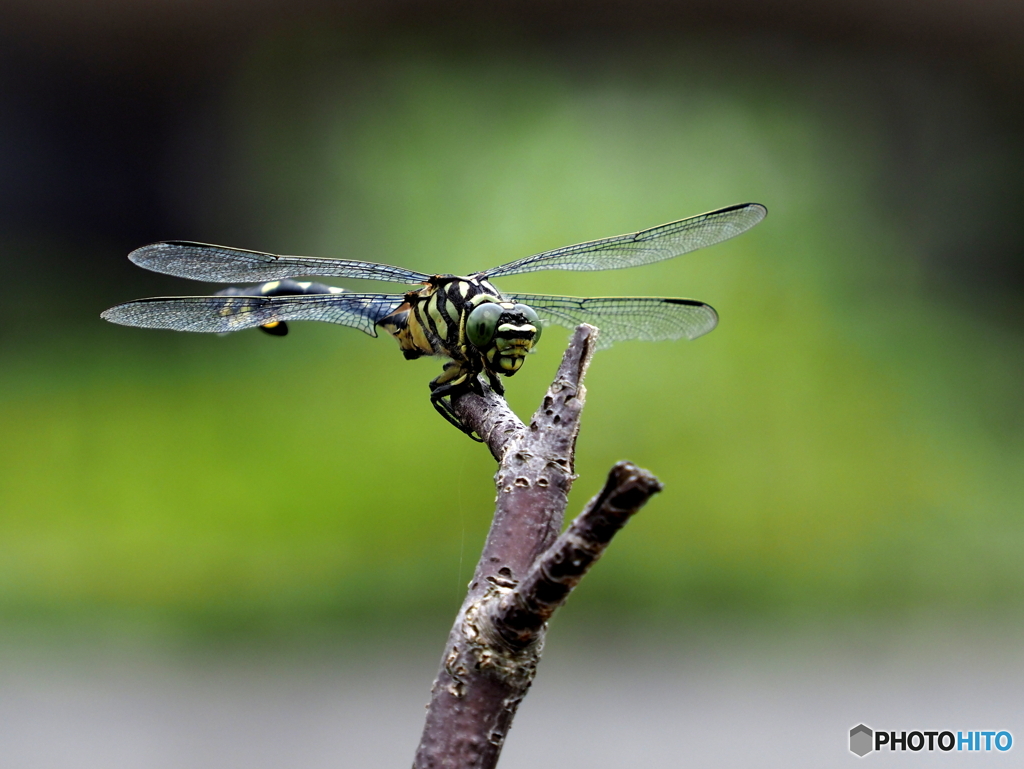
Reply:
x=202, y=261
x=644, y=247
x=220, y=314
x=648, y=318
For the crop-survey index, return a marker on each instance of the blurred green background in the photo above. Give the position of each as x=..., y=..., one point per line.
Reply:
x=847, y=444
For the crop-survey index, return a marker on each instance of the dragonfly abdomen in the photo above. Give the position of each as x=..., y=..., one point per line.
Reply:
x=284, y=287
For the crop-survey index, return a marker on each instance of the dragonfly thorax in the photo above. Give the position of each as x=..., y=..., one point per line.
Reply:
x=467, y=320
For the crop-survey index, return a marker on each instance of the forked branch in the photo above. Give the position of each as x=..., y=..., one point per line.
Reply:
x=526, y=569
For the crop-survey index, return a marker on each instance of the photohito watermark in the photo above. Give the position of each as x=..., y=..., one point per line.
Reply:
x=864, y=740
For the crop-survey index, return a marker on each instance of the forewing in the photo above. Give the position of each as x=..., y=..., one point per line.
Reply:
x=647, y=318
x=644, y=247
x=202, y=261
x=220, y=314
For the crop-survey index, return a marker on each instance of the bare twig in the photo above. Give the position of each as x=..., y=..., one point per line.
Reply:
x=521, y=615
x=526, y=569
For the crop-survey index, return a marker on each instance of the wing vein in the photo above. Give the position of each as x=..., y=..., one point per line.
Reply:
x=221, y=314
x=203, y=261
x=620, y=318
x=645, y=247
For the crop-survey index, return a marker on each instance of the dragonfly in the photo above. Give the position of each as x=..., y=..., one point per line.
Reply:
x=465, y=319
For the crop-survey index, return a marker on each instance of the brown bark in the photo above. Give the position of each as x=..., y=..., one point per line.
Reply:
x=526, y=569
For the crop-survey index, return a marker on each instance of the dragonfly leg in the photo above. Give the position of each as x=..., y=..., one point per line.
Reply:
x=495, y=382
x=454, y=380
x=442, y=402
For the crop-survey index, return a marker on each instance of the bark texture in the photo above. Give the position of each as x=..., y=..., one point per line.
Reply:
x=526, y=569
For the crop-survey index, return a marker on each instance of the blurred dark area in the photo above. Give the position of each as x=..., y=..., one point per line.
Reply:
x=97, y=105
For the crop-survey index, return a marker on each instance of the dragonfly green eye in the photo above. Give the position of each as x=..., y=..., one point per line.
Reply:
x=482, y=323
x=529, y=313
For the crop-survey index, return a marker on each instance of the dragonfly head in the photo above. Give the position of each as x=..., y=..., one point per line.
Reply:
x=503, y=332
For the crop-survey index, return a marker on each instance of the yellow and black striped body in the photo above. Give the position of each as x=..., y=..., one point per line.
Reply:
x=284, y=287
x=433, y=321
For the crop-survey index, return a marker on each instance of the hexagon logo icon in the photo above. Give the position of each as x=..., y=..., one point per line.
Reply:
x=860, y=740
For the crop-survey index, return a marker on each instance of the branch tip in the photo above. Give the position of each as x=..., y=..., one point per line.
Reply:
x=521, y=614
